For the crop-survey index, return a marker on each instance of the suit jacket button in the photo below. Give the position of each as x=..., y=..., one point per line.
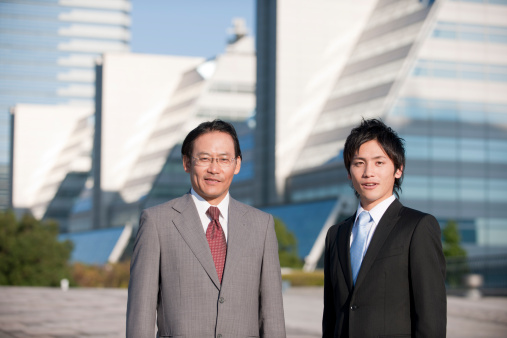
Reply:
x=353, y=307
x=221, y=300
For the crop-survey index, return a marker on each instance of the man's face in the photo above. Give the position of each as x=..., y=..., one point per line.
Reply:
x=372, y=174
x=212, y=181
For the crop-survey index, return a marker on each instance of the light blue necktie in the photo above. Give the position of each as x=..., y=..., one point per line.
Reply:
x=358, y=246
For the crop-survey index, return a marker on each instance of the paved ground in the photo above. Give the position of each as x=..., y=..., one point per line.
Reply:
x=51, y=313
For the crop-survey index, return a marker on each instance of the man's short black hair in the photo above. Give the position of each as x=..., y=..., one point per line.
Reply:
x=208, y=127
x=387, y=138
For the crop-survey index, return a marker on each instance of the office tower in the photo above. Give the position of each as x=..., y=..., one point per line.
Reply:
x=47, y=53
x=434, y=71
x=145, y=106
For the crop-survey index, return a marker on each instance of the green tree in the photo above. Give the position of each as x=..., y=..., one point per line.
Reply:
x=287, y=246
x=452, y=241
x=455, y=254
x=30, y=253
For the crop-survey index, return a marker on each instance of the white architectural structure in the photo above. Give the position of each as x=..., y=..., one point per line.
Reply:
x=48, y=50
x=435, y=71
x=314, y=42
x=49, y=143
x=145, y=105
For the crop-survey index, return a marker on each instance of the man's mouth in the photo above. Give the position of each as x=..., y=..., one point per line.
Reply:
x=212, y=180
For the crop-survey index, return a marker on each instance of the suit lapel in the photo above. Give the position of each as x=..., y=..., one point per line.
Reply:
x=344, y=251
x=237, y=237
x=384, y=228
x=189, y=226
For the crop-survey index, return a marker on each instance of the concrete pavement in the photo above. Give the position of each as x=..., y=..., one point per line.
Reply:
x=485, y=317
x=52, y=313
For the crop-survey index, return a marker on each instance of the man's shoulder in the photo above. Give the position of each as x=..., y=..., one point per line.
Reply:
x=414, y=214
x=169, y=205
x=241, y=207
x=415, y=219
x=341, y=225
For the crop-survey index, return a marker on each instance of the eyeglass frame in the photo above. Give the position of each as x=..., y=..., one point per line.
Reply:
x=217, y=161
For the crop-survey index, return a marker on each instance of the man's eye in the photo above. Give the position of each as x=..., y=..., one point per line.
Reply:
x=204, y=159
x=224, y=160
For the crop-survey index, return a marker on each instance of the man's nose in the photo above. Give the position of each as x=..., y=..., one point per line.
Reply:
x=368, y=170
x=214, y=166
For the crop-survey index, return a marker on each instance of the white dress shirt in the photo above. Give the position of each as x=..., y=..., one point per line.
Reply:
x=376, y=214
x=202, y=206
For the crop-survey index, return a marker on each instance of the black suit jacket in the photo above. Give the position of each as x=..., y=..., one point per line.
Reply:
x=400, y=288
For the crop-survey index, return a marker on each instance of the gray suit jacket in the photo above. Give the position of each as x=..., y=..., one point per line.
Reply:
x=173, y=278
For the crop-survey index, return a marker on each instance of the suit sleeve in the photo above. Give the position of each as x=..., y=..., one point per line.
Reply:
x=271, y=317
x=329, y=316
x=144, y=281
x=427, y=272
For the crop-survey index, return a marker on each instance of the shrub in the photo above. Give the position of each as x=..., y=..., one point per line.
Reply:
x=287, y=246
x=303, y=278
x=30, y=253
x=455, y=254
x=109, y=276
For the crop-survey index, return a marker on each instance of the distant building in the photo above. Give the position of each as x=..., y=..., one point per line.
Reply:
x=435, y=71
x=96, y=166
x=47, y=52
x=52, y=158
x=92, y=168
x=145, y=106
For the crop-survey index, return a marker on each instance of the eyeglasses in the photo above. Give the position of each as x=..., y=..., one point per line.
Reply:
x=205, y=161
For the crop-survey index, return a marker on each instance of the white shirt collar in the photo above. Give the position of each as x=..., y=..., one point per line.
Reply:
x=378, y=211
x=202, y=206
x=223, y=206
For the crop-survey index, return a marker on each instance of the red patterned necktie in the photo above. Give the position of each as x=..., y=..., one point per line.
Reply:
x=216, y=240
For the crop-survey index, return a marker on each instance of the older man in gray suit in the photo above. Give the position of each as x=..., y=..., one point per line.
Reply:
x=204, y=264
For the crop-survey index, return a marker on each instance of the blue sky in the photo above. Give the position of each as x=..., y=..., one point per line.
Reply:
x=186, y=27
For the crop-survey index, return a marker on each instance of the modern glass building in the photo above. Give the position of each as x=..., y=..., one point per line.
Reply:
x=145, y=106
x=48, y=50
x=433, y=70
x=452, y=112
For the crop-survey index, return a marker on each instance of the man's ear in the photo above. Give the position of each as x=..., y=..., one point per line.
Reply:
x=398, y=172
x=186, y=163
x=238, y=165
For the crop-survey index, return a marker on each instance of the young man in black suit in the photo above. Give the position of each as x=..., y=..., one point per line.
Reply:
x=384, y=267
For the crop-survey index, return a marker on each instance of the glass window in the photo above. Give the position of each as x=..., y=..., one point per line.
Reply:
x=444, y=149
x=497, y=190
x=460, y=70
x=443, y=188
x=499, y=77
x=476, y=116
x=470, y=32
x=246, y=142
x=246, y=172
x=472, y=189
x=473, y=112
x=453, y=149
x=492, y=231
x=444, y=34
x=415, y=187
x=454, y=188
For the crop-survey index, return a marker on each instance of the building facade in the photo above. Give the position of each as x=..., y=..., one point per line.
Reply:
x=48, y=50
x=434, y=71
x=145, y=106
